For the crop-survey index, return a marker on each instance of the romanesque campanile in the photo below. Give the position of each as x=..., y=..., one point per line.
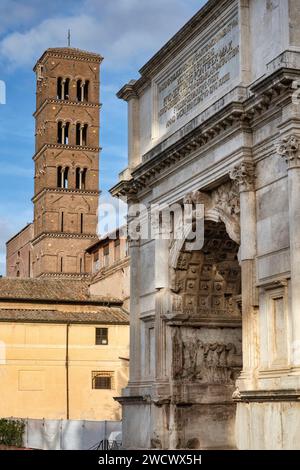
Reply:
x=66, y=187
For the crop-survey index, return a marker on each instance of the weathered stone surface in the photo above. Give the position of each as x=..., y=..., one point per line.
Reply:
x=229, y=141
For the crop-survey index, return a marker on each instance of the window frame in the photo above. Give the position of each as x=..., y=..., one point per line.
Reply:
x=97, y=336
x=97, y=374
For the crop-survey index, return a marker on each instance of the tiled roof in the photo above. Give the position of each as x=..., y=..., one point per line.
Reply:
x=103, y=315
x=72, y=51
x=64, y=290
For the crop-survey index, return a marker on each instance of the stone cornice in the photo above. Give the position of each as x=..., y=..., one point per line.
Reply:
x=128, y=92
x=77, y=148
x=267, y=395
x=79, y=192
x=236, y=115
x=84, y=236
x=69, y=53
x=65, y=103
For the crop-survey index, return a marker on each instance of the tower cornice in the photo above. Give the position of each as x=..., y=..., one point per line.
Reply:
x=79, y=192
x=66, y=147
x=81, y=104
x=68, y=235
x=69, y=53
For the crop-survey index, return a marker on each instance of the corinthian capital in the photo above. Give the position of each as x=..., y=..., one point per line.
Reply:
x=244, y=175
x=289, y=149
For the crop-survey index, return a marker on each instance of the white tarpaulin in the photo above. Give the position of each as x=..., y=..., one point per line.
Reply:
x=50, y=434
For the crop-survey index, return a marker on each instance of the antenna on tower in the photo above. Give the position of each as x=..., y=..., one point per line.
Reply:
x=69, y=38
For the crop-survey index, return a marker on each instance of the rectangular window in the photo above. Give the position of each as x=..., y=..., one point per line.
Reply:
x=102, y=336
x=106, y=255
x=96, y=262
x=117, y=249
x=102, y=380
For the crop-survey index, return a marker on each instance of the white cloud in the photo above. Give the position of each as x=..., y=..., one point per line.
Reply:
x=126, y=32
x=25, y=13
x=21, y=49
x=13, y=13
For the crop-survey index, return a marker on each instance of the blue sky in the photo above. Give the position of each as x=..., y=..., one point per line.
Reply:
x=126, y=32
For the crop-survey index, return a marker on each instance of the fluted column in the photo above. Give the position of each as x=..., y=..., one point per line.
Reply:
x=289, y=149
x=135, y=343
x=243, y=175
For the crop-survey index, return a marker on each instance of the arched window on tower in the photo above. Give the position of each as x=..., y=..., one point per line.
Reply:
x=78, y=133
x=67, y=89
x=59, y=132
x=81, y=134
x=79, y=90
x=84, y=134
x=63, y=132
x=86, y=91
x=77, y=178
x=67, y=127
x=59, y=177
x=65, y=177
x=83, y=181
x=59, y=88
x=62, y=177
x=63, y=88
x=81, y=178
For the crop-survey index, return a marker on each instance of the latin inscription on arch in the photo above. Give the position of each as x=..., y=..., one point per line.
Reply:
x=205, y=70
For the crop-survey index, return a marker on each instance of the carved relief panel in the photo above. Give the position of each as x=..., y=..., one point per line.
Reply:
x=208, y=356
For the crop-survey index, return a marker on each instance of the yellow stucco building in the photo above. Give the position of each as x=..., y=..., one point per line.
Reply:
x=63, y=351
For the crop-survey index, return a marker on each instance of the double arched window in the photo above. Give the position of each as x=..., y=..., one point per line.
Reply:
x=63, y=88
x=63, y=177
x=82, y=90
x=81, y=134
x=63, y=132
x=80, y=178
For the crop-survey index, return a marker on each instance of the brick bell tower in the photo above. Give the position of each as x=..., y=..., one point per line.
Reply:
x=66, y=181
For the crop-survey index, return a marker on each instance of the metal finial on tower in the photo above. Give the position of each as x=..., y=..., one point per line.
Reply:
x=69, y=38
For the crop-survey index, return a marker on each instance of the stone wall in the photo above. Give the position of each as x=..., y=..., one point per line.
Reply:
x=235, y=149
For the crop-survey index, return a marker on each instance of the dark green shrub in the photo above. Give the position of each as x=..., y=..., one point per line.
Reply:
x=11, y=432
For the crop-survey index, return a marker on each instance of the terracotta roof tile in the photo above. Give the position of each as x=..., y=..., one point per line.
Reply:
x=103, y=315
x=51, y=290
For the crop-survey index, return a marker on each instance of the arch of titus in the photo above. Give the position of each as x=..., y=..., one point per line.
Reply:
x=215, y=333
